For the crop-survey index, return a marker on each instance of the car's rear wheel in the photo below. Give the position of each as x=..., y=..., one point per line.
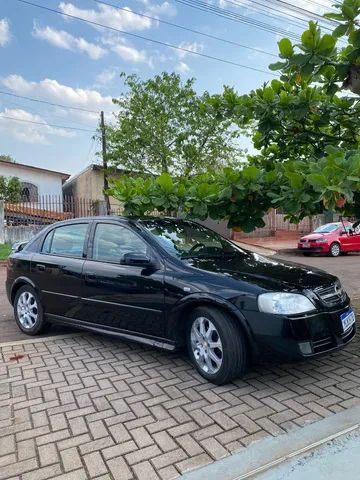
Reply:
x=28, y=311
x=335, y=250
x=216, y=345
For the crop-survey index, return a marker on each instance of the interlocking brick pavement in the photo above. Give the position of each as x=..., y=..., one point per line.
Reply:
x=91, y=407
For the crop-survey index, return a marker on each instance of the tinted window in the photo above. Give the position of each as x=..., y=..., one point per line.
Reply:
x=185, y=239
x=68, y=240
x=111, y=242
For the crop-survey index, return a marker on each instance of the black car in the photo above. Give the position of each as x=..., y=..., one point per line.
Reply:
x=169, y=283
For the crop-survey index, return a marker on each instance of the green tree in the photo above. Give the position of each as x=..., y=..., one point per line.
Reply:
x=163, y=125
x=10, y=189
x=7, y=158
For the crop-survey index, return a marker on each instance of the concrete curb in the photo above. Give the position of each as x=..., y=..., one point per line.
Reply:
x=42, y=339
x=268, y=453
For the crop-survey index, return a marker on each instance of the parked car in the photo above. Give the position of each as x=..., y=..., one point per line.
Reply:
x=333, y=239
x=171, y=283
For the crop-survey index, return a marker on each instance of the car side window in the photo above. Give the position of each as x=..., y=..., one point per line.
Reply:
x=111, y=242
x=68, y=240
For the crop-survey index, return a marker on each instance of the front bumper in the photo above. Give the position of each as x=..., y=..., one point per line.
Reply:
x=295, y=338
x=314, y=248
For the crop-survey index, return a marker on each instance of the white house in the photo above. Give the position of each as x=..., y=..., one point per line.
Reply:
x=36, y=182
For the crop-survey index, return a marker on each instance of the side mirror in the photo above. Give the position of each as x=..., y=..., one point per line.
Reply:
x=18, y=246
x=136, y=259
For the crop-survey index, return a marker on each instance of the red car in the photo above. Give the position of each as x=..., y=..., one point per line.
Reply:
x=333, y=239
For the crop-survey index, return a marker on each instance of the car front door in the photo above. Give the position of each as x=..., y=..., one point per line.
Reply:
x=118, y=296
x=348, y=239
x=56, y=270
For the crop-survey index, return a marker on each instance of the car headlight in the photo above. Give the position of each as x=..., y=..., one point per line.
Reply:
x=284, y=303
x=321, y=240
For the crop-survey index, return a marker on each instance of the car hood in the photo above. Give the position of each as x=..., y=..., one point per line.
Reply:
x=316, y=236
x=266, y=273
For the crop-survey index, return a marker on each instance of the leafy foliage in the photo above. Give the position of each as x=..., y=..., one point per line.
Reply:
x=6, y=158
x=163, y=125
x=10, y=189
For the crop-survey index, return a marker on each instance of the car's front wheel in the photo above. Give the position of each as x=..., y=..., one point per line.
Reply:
x=28, y=311
x=216, y=345
x=335, y=250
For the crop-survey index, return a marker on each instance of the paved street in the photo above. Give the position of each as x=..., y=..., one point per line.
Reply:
x=91, y=407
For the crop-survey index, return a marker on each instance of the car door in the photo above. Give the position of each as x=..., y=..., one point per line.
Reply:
x=57, y=268
x=118, y=296
x=348, y=240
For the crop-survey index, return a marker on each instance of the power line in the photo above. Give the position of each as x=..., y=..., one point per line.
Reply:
x=48, y=103
x=278, y=14
x=303, y=11
x=45, y=124
x=31, y=109
x=158, y=42
x=236, y=17
x=187, y=29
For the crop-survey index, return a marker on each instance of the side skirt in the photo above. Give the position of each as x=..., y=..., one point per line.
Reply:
x=72, y=322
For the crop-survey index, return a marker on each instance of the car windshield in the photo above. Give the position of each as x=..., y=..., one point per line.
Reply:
x=328, y=228
x=188, y=240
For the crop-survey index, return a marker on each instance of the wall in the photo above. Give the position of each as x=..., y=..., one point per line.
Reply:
x=21, y=233
x=47, y=183
x=89, y=184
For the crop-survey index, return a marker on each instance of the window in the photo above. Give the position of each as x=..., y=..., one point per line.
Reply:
x=68, y=240
x=29, y=192
x=185, y=239
x=111, y=242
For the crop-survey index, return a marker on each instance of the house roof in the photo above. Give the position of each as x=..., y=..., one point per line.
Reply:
x=64, y=176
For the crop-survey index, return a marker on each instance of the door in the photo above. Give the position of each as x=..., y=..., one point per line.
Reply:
x=118, y=296
x=57, y=269
x=349, y=240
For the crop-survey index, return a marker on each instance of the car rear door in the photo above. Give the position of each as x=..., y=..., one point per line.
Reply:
x=57, y=268
x=122, y=297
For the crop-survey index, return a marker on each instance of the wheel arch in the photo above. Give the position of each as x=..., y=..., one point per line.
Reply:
x=20, y=282
x=179, y=317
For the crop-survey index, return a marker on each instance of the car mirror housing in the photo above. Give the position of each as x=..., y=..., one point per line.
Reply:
x=136, y=259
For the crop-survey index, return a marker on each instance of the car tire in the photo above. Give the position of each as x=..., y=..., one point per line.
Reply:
x=208, y=324
x=335, y=250
x=28, y=311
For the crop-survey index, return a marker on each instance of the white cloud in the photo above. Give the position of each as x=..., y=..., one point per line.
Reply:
x=105, y=77
x=110, y=16
x=128, y=53
x=124, y=49
x=5, y=35
x=62, y=39
x=53, y=91
x=28, y=132
x=162, y=9
x=191, y=46
x=182, y=67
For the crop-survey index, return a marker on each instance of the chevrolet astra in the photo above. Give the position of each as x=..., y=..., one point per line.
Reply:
x=173, y=283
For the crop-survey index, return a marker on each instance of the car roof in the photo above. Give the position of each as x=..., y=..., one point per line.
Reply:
x=120, y=218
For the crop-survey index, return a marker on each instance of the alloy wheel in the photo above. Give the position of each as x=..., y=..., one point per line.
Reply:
x=206, y=345
x=335, y=249
x=27, y=310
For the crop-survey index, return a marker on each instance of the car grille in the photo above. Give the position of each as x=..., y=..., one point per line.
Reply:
x=327, y=343
x=331, y=295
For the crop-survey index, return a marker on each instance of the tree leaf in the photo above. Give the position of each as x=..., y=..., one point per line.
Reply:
x=285, y=47
x=340, y=31
x=327, y=43
x=277, y=66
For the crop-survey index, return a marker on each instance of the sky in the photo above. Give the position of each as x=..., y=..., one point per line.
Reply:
x=61, y=60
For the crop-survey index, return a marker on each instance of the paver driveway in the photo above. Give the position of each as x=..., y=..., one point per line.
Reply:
x=91, y=407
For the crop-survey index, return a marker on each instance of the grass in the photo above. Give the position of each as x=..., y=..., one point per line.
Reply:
x=4, y=251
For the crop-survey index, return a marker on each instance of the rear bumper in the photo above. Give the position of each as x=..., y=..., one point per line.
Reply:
x=296, y=338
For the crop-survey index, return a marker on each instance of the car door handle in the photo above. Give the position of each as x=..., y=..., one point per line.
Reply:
x=40, y=267
x=90, y=277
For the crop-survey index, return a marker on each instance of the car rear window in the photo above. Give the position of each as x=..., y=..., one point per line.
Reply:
x=68, y=240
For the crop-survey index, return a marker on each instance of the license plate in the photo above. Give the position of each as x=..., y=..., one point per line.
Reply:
x=347, y=320
x=306, y=245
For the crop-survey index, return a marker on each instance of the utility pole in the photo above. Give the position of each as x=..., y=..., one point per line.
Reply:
x=105, y=165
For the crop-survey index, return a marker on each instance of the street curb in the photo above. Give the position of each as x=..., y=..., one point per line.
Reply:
x=265, y=454
x=41, y=339
x=245, y=245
